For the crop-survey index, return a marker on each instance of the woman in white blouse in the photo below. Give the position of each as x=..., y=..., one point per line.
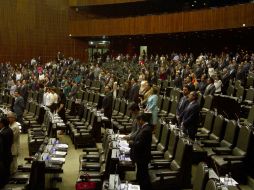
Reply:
x=217, y=84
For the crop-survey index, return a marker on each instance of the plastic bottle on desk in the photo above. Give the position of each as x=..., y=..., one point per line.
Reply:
x=226, y=180
x=126, y=186
x=117, y=139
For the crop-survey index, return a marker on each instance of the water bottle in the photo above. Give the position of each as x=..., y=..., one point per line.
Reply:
x=123, y=155
x=117, y=139
x=229, y=179
x=195, y=141
x=126, y=185
x=226, y=180
x=170, y=122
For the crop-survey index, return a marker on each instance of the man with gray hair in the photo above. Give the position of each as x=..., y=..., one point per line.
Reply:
x=16, y=141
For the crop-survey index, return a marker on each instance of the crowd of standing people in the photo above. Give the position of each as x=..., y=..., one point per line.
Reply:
x=138, y=76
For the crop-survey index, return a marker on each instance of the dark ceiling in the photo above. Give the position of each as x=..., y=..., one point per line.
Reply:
x=154, y=7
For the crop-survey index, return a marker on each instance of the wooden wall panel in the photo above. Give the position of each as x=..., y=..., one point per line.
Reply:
x=35, y=28
x=200, y=20
x=76, y=3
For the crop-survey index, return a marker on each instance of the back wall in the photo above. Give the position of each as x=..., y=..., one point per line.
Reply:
x=30, y=28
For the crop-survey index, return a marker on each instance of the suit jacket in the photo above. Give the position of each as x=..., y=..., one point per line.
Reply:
x=202, y=86
x=134, y=93
x=190, y=116
x=225, y=83
x=6, y=135
x=19, y=105
x=107, y=105
x=178, y=82
x=183, y=103
x=16, y=137
x=141, y=147
x=210, y=90
x=24, y=92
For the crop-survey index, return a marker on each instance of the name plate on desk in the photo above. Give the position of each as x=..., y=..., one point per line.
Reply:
x=130, y=187
x=114, y=182
x=115, y=154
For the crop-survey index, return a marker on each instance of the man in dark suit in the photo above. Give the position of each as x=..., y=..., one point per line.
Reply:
x=134, y=92
x=210, y=88
x=141, y=151
x=178, y=82
x=190, y=116
x=183, y=103
x=24, y=91
x=188, y=82
x=19, y=107
x=6, y=140
x=134, y=111
x=107, y=102
x=225, y=80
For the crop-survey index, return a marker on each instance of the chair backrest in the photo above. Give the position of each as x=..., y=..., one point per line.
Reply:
x=123, y=107
x=208, y=102
x=37, y=176
x=32, y=108
x=163, y=145
x=212, y=184
x=166, y=104
x=68, y=106
x=237, y=84
x=181, y=154
x=208, y=123
x=200, y=99
x=182, y=161
x=178, y=94
x=96, y=98
x=89, y=115
x=240, y=92
x=250, y=81
x=250, y=94
x=158, y=131
x=164, y=84
x=172, y=94
x=201, y=177
x=230, y=90
x=173, y=139
x=250, y=118
x=173, y=107
x=86, y=96
x=88, y=83
x=229, y=139
x=243, y=142
x=159, y=102
x=91, y=97
x=218, y=128
x=117, y=105
x=120, y=93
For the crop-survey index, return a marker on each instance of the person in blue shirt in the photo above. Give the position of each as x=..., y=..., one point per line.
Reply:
x=151, y=106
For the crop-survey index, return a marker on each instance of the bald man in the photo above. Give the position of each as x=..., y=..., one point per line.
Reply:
x=16, y=141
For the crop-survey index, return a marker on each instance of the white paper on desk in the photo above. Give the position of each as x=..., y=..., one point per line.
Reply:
x=128, y=159
x=60, y=124
x=60, y=153
x=231, y=181
x=124, y=143
x=130, y=187
x=104, y=118
x=125, y=149
x=61, y=145
x=121, y=136
x=58, y=159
